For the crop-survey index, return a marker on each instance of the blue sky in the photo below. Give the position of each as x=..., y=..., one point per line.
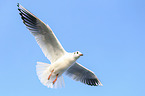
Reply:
x=110, y=34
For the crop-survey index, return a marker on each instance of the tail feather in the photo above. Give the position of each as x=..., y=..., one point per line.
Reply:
x=42, y=70
x=59, y=83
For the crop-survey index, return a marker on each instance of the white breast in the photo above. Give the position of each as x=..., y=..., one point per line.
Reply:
x=63, y=63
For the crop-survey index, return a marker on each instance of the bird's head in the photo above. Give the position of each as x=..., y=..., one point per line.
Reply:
x=77, y=54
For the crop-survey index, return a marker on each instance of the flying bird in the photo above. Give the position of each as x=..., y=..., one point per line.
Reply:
x=50, y=75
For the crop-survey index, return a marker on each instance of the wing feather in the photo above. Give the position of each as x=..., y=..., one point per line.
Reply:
x=80, y=73
x=43, y=34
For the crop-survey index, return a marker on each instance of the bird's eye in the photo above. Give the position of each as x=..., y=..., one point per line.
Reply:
x=77, y=52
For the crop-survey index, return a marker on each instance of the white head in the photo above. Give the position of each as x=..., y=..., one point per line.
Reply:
x=77, y=54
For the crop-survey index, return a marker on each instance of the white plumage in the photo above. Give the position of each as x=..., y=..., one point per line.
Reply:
x=50, y=75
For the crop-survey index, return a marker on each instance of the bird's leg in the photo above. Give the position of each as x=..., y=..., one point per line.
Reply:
x=50, y=74
x=55, y=79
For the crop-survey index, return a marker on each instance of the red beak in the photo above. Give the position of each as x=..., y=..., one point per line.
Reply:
x=81, y=54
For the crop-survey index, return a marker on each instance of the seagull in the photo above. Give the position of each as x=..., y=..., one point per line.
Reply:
x=61, y=61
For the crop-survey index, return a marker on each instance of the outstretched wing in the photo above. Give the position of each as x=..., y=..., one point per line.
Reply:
x=79, y=73
x=43, y=34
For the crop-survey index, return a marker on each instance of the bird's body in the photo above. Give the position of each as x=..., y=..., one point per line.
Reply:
x=62, y=64
x=50, y=75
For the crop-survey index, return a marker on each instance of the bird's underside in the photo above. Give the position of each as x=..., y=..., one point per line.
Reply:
x=51, y=75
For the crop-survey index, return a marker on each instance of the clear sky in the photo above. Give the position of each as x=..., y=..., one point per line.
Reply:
x=110, y=34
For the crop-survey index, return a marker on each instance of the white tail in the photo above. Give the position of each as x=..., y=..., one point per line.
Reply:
x=42, y=70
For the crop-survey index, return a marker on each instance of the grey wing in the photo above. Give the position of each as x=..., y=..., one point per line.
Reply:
x=79, y=73
x=43, y=34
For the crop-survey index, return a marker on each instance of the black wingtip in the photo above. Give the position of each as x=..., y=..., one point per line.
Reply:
x=18, y=4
